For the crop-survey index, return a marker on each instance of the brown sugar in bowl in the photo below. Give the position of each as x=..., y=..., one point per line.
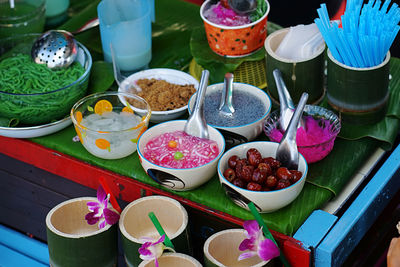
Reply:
x=235, y=41
x=172, y=76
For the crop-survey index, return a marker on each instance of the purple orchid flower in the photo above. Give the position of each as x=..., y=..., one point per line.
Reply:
x=257, y=243
x=100, y=211
x=153, y=249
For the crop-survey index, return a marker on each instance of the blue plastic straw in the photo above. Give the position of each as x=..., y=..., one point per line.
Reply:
x=356, y=50
x=367, y=31
x=329, y=42
x=346, y=48
x=325, y=16
x=365, y=51
x=385, y=6
x=339, y=44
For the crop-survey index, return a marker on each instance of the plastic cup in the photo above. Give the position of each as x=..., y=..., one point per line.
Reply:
x=126, y=24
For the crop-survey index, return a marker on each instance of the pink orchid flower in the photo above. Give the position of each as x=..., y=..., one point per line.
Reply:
x=256, y=243
x=153, y=249
x=100, y=210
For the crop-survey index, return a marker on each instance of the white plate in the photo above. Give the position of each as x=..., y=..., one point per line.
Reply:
x=169, y=75
x=35, y=131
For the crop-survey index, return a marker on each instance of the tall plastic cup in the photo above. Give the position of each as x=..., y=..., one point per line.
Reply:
x=126, y=25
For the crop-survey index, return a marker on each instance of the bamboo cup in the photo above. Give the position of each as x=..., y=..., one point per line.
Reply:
x=299, y=75
x=172, y=260
x=360, y=95
x=134, y=224
x=222, y=249
x=73, y=242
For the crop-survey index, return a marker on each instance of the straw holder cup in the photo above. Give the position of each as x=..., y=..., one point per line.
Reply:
x=360, y=95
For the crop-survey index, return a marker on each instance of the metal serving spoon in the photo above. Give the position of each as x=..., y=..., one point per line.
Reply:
x=285, y=101
x=196, y=124
x=243, y=7
x=287, y=152
x=58, y=48
x=225, y=106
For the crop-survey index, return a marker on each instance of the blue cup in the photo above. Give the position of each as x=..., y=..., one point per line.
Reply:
x=126, y=25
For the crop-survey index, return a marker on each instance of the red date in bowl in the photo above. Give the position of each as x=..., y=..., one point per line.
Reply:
x=250, y=173
x=259, y=174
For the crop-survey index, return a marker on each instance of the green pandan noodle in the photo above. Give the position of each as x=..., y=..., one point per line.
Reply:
x=260, y=11
x=33, y=93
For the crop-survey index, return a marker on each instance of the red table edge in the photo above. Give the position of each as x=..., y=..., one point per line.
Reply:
x=123, y=187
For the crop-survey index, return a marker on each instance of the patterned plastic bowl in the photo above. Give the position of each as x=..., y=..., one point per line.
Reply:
x=235, y=41
x=327, y=120
x=174, y=178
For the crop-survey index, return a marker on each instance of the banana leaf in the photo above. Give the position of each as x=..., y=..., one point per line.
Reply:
x=172, y=34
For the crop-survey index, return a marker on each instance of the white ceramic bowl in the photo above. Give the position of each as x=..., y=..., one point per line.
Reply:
x=243, y=133
x=169, y=75
x=265, y=201
x=178, y=179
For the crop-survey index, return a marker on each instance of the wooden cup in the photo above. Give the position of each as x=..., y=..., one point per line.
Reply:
x=172, y=260
x=299, y=75
x=73, y=242
x=135, y=224
x=222, y=249
x=360, y=95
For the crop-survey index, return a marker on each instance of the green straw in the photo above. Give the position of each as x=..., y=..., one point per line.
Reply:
x=160, y=230
x=266, y=231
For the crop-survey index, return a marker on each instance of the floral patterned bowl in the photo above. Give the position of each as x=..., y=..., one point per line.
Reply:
x=235, y=41
x=106, y=127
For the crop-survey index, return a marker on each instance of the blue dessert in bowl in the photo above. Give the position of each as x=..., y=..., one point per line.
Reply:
x=252, y=105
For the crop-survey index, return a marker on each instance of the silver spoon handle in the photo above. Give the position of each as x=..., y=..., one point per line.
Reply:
x=226, y=99
x=285, y=100
x=196, y=124
x=198, y=105
x=290, y=133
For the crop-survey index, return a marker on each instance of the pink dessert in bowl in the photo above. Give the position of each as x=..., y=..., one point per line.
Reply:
x=180, y=150
x=314, y=142
x=222, y=15
x=177, y=160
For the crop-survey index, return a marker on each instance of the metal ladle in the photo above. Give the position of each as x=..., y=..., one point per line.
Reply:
x=196, y=124
x=225, y=106
x=287, y=152
x=285, y=101
x=243, y=7
x=58, y=48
